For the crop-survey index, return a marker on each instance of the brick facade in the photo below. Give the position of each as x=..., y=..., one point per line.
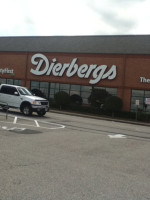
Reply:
x=132, y=71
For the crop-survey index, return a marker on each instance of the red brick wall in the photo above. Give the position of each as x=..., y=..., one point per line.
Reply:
x=129, y=70
x=15, y=61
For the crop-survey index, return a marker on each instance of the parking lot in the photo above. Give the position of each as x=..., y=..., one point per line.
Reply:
x=61, y=156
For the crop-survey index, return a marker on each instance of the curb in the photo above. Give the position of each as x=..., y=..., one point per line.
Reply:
x=100, y=117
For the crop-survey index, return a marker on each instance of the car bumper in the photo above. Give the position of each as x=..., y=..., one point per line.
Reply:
x=38, y=108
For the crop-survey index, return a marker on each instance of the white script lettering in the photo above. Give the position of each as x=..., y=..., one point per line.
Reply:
x=43, y=66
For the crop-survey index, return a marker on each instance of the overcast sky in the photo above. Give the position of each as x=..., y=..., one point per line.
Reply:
x=74, y=17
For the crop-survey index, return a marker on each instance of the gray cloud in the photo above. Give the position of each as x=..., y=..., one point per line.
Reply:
x=114, y=13
x=117, y=22
x=126, y=1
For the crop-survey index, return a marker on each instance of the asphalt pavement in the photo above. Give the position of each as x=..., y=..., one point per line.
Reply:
x=63, y=156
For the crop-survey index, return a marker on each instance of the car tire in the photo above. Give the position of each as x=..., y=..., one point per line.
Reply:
x=26, y=109
x=41, y=112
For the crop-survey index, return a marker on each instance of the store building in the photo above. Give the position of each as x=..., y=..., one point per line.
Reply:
x=75, y=64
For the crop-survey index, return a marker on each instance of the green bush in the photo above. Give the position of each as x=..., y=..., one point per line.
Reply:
x=144, y=117
x=62, y=99
x=97, y=97
x=113, y=104
x=38, y=93
x=76, y=99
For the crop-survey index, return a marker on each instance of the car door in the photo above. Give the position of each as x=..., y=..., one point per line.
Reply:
x=15, y=98
x=4, y=95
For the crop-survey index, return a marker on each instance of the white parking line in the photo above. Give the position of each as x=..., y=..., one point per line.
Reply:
x=117, y=136
x=14, y=128
x=37, y=124
x=15, y=120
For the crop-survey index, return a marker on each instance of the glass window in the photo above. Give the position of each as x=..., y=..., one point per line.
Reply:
x=86, y=88
x=56, y=90
x=85, y=101
x=85, y=94
x=74, y=92
x=147, y=94
x=52, y=91
x=75, y=87
x=44, y=87
x=10, y=81
x=137, y=92
x=57, y=86
x=44, y=84
x=8, y=90
x=133, y=100
x=35, y=84
x=2, y=81
x=17, y=82
x=4, y=89
x=52, y=85
x=112, y=91
x=64, y=86
x=140, y=95
x=51, y=96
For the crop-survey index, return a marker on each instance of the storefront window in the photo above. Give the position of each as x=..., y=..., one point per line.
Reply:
x=54, y=88
x=86, y=88
x=52, y=85
x=2, y=81
x=112, y=91
x=75, y=89
x=50, y=89
x=147, y=94
x=10, y=81
x=85, y=93
x=138, y=93
x=35, y=85
x=17, y=82
x=52, y=92
x=42, y=86
x=138, y=100
x=65, y=88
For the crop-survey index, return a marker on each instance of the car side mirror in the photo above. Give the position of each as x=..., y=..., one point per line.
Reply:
x=16, y=93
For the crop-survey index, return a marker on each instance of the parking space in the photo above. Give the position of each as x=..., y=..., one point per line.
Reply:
x=19, y=123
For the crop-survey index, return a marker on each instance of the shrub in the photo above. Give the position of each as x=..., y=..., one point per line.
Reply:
x=62, y=99
x=76, y=99
x=38, y=93
x=97, y=97
x=113, y=104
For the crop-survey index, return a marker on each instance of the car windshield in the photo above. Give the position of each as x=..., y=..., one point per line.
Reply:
x=24, y=91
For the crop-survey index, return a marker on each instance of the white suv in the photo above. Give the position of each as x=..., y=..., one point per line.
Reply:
x=20, y=97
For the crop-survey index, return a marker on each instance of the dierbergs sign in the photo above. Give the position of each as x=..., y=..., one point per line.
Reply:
x=45, y=67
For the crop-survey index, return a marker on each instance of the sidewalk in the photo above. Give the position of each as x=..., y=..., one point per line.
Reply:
x=101, y=117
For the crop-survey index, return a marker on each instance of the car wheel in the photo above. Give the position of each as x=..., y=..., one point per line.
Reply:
x=41, y=112
x=26, y=109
